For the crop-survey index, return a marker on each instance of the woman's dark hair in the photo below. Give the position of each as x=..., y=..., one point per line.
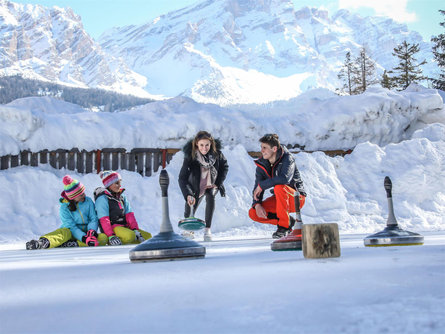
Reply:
x=72, y=206
x=200, y=136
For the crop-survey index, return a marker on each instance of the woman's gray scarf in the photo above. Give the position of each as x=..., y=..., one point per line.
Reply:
x=208, y=162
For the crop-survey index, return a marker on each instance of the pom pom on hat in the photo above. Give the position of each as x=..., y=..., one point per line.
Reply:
x=109, y=177
x=72, y=187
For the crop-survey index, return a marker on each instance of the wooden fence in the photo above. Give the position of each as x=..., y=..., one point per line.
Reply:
x=145, y=161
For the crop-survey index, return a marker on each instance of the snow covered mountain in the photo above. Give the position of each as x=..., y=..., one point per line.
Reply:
x=226, y=52
x=244, y=51
x=50, y=44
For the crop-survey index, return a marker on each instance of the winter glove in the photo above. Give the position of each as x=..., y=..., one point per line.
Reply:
x=139, y=237
x=90, y=238
x=114, y=241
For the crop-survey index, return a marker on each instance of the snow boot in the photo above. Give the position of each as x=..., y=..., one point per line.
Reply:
x=70, y=243
x=42, y=243
x=207, y=234
x=33, y=244
x=281, y=232
x=139, y=237
x=273, y=215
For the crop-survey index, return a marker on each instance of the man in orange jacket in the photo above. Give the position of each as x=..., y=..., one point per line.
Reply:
x=276, y=170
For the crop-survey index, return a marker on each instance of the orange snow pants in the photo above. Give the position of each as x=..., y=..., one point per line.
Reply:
x=280, y=204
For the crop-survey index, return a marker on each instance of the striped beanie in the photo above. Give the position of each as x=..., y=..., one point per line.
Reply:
x=109, y=177
x=72, y=187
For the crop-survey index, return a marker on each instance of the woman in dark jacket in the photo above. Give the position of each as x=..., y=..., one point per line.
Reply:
x=202, y=174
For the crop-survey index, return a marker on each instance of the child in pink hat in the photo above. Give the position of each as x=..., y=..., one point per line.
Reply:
x=115, y=214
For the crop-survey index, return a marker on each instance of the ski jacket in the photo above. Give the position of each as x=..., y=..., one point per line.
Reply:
x=113, y=210
x=283, y=171
x=81, y=220
x=190, y=174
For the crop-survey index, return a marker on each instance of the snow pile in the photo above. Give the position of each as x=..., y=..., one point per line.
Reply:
x=348, y=191
x=315, y=121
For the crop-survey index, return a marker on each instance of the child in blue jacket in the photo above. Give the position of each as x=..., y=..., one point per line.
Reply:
x=79, y=220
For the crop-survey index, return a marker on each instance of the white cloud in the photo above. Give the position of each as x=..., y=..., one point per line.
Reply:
x=395, y=9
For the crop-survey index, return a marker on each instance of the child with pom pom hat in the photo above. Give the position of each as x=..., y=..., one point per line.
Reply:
x=79, y=220
x=115, y=214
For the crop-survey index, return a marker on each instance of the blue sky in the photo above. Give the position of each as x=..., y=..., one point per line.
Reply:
x=98, y=16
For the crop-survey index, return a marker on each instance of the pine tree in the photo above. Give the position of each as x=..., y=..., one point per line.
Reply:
x=439, y=56
x=365, y=72
x=347, y=74
x=409, y=72
x=387, y=81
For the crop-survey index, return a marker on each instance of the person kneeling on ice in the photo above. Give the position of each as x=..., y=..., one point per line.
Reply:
x=115, y=214
x=79, y=220
x=276, y=169
x=202, y=174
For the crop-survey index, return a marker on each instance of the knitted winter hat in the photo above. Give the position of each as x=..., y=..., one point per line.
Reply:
x=109, y=177
x=72, y=187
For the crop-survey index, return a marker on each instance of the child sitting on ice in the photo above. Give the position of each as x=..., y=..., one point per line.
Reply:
x=116, y=217
x=79, y=221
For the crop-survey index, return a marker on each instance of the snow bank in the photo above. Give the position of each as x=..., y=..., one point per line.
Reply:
x=348, y=191
x=315, y=121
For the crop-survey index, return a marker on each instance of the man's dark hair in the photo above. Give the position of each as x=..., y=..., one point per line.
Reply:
x=271, y=139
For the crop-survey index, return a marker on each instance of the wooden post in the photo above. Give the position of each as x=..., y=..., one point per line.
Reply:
x=72, y=159
x=124, y=159
x=53, y=159
x=156, y=160
x=131, y=161
x=148, y=164
x=24, y=158
x=98, y=160
x=140, y=157
x=5, y=161
x=89, y=156
x=321, y=240
x=43, y=156
x=14, y=161
x=106, y=159
x=80, y=161
x=164, y=158
x=34, y=159
x=115, y=160
x=61, y=158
